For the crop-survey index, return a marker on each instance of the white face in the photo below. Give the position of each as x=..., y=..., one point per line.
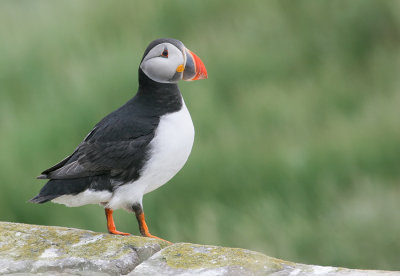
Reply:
x=164, y=63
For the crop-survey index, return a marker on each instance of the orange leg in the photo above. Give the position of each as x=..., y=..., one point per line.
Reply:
x=144, y=230
x=110, y=224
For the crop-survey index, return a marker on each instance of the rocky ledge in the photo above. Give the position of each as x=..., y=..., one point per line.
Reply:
x=48, y=250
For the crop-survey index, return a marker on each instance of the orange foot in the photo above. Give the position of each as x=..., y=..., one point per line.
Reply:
x=148, y=235
x=144, y=230
x=116, y=232
x=110, y=224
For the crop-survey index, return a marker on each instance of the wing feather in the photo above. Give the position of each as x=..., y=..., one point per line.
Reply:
x=117, y=146
x=97, y=158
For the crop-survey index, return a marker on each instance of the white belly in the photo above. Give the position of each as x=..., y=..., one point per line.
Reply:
x=170, y=149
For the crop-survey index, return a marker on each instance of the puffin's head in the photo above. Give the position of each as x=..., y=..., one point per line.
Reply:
x=167, y=60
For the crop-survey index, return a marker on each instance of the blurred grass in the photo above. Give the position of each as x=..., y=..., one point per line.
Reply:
x=297, y=150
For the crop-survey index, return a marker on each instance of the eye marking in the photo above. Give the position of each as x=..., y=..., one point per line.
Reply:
x=165, y=53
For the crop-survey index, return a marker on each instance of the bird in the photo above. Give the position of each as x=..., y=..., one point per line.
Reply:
x=138, y=147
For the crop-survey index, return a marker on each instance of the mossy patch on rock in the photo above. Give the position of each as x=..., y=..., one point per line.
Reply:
x=185, y=255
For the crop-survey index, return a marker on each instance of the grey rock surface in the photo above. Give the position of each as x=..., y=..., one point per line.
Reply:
x=192, y=259
x=54, y=250
x=48, y=250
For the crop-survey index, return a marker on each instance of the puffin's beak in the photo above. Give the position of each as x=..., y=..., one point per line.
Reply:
x=194, y=68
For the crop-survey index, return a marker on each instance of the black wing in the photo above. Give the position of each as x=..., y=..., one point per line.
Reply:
x=117, y=146
x=121, y=159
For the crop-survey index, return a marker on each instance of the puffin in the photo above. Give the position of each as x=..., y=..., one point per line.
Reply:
x=136, y=148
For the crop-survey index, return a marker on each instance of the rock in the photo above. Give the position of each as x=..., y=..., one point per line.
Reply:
x=193, y=259
x=48, y=250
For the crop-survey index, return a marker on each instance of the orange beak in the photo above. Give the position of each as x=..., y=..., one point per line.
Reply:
x=194, y=68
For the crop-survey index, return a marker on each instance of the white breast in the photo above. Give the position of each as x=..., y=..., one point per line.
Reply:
x=170, y=149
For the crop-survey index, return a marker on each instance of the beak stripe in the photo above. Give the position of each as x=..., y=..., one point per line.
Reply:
x=201, y=72
x=194, y=67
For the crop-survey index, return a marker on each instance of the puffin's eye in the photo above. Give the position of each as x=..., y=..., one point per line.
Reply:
x=165, y=53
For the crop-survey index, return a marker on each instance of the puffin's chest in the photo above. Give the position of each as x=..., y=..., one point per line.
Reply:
x=169, y=149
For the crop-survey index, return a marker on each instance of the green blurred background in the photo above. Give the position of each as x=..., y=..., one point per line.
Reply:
x=297, y=149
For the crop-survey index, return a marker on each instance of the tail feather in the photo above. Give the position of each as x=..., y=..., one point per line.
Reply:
x=41, y=199
x=42, y=176
x=58, y=187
